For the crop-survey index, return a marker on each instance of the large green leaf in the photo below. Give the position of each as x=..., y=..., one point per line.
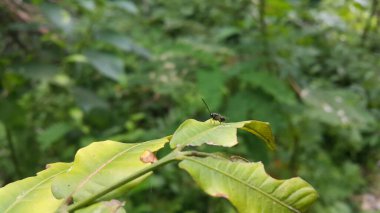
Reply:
x=36, y=71
x=337, y=107
x=124, y=43
x=53, y=133
x=58, y=17
x=272, y=85
x=32, y=194
x=88, y=100
x=248, y=187
x=196, y=133
x=126, y=5
x=211, y=85
x=107, y=64
x=102, y=164
x=112, y=206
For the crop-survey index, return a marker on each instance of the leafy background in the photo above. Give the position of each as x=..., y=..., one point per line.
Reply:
x=73, y=72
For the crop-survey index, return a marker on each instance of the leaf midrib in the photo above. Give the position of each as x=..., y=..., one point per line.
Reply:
x=246, y=184
x=269, y=141
x=97, y=170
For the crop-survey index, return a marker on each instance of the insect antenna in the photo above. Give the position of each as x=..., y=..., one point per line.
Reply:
x=206, y=105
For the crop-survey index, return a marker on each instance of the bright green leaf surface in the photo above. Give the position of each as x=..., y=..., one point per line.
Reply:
x=196, y=133
x=248, y=187
x=112, y=206
x=32, y=194
x=102, y=164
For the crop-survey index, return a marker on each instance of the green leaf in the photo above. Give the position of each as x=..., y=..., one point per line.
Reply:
x=32, y=193
x=248, y=187
x=112, y=206
x=124, y=43
x=128, y=6
x=107, y=64
x=102, y=164
x=87, y=5
x=195, y=133
x=260, y=129
x=53, y=134
x=58, y=16
x=88, y=100
x=211, y=85
x=77, y=58
x=37, y=71
x=117, y=40
x=244, y=100
x=337, y=107
x=272, y=85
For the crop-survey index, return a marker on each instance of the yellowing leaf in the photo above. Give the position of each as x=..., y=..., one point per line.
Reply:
x=196, y=133
x=112, y=206
x=32, y=194
x=260, y=129
x=248, y=187
x=102, y=164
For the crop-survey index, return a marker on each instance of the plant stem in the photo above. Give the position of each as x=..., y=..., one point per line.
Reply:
x=264, y=34
x=367, y=26
x=175, y=155
x=8, y=134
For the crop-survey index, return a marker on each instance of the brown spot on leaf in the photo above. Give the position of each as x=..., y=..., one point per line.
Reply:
x=69, y=200
x=148, y=157
x=219, y=194
x=114, y=203
x=235, y=158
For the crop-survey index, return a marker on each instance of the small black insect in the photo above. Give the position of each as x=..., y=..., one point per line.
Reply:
x=215, y=116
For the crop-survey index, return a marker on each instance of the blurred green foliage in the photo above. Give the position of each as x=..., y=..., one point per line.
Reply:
x=73, y=72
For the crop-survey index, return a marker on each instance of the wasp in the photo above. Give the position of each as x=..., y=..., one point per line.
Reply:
x=215, y=116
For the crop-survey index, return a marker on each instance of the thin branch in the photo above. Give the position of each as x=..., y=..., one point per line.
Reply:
x=367, y=27
x=15, y=162
x=293, y=162
x=294, y=85
x=264, y=33
x=263, y=26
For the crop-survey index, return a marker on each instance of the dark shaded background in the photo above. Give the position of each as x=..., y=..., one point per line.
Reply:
x=74, y=72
